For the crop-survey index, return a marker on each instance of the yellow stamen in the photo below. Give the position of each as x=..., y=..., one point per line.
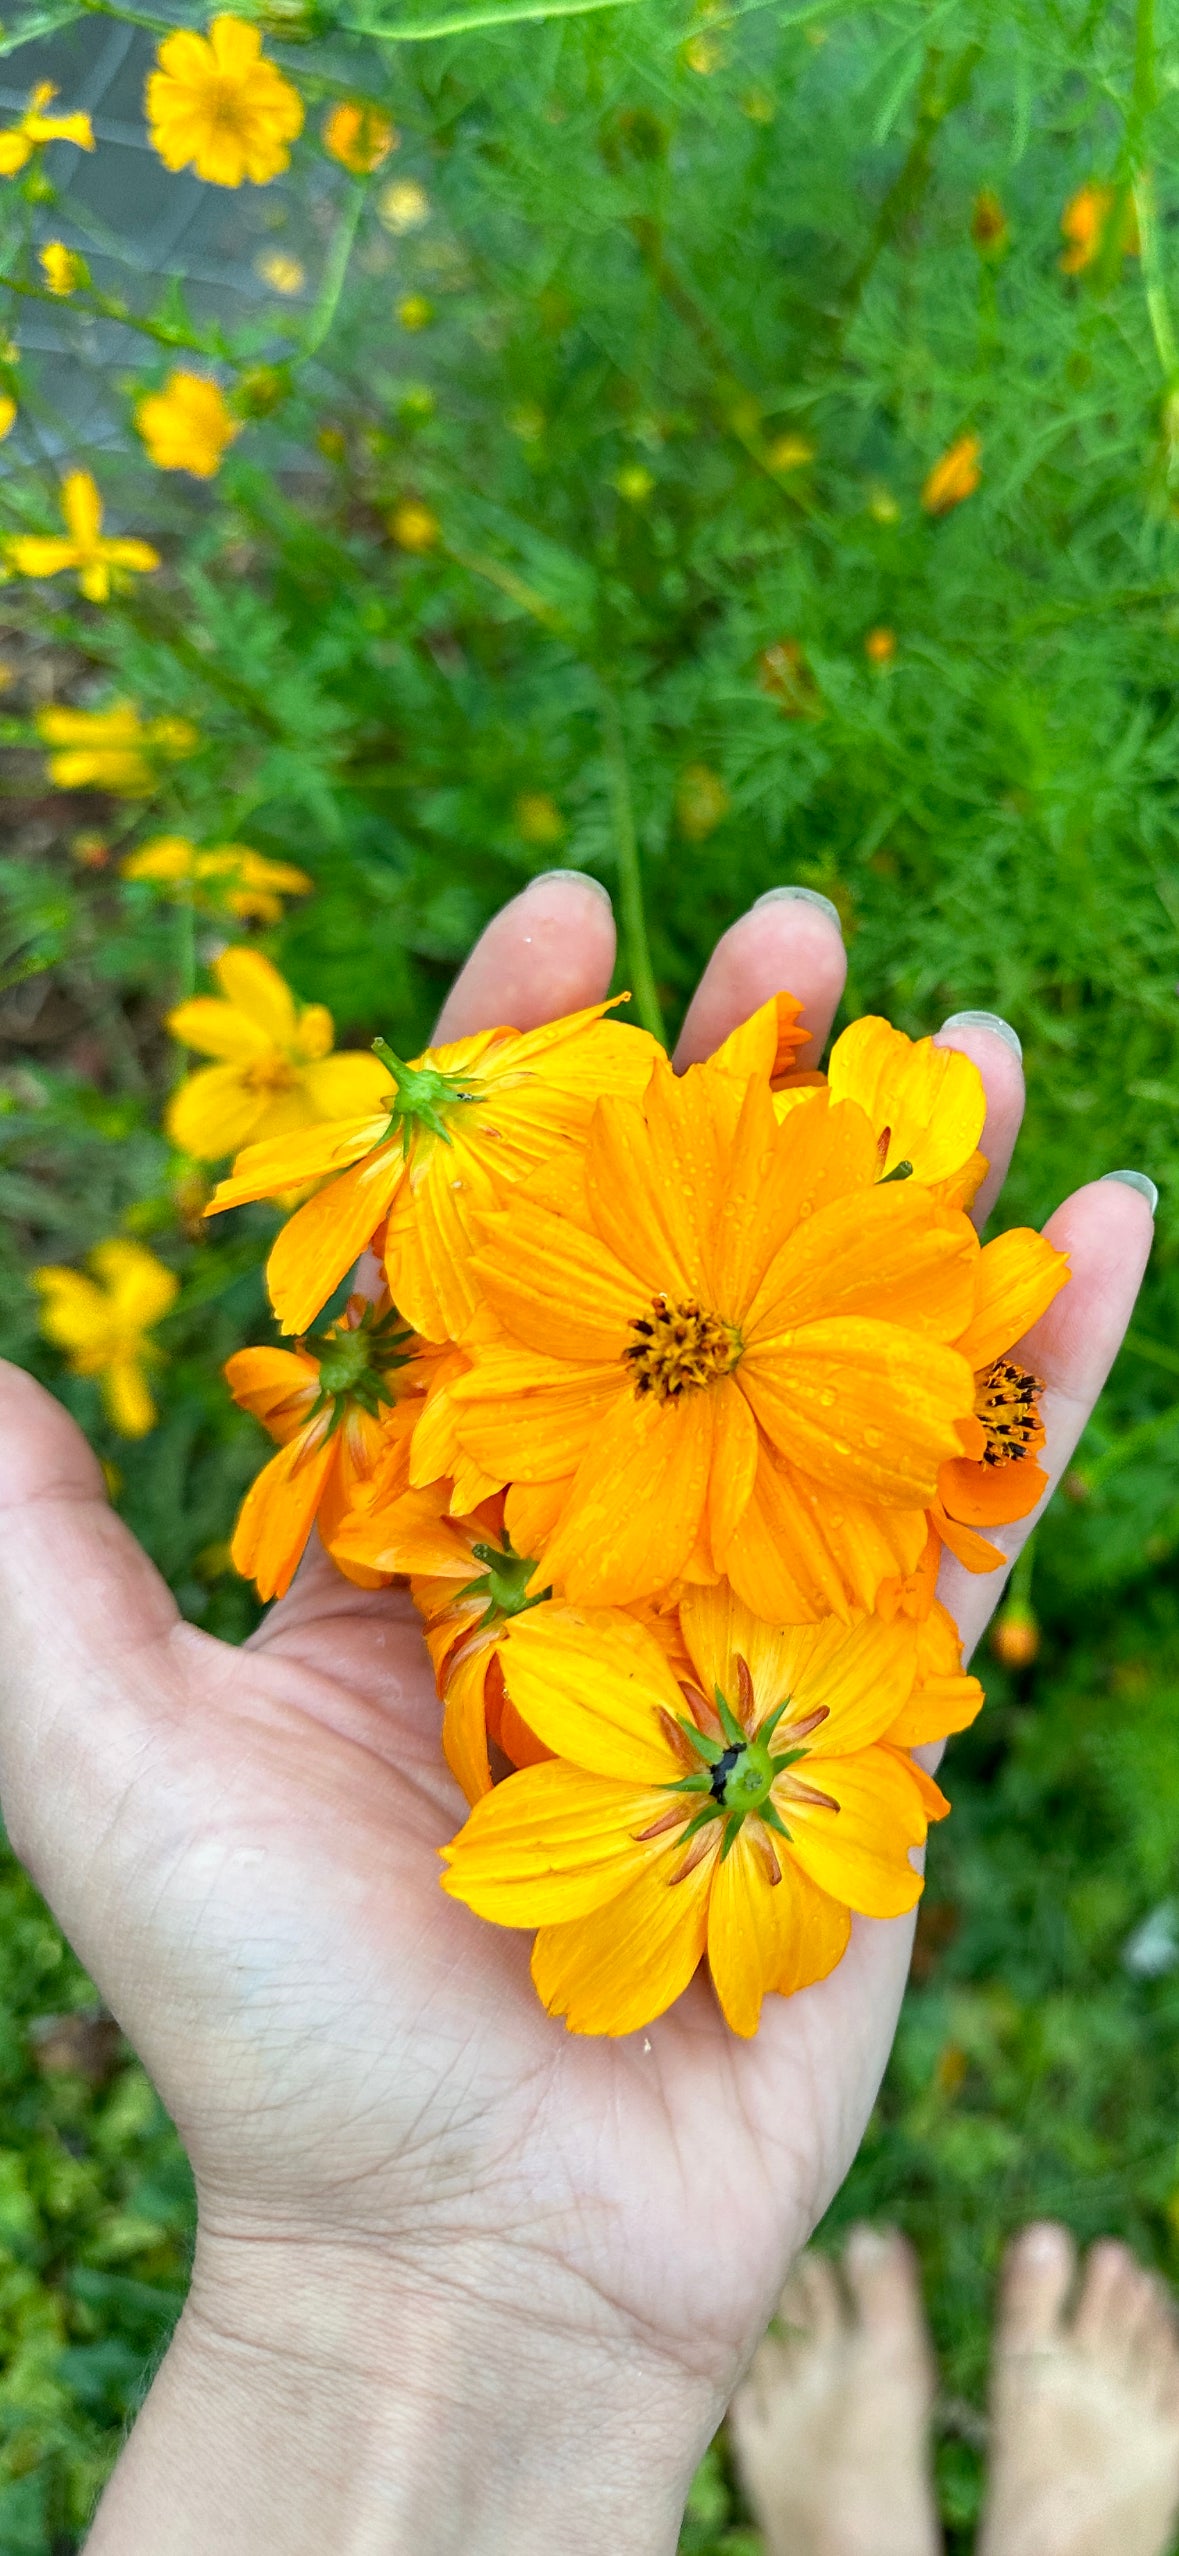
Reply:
x=1005, y=1402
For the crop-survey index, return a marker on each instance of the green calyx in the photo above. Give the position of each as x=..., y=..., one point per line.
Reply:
x=504, y=1583
x=356, y=1361
x=900, y=1171
x=424, y=1096
x=737, y=1777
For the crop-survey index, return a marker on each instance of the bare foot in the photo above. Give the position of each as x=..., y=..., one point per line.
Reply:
x=831, y=2426
x=1084, y=2405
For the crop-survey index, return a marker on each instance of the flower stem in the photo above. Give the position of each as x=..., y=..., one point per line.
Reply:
x=636, y=952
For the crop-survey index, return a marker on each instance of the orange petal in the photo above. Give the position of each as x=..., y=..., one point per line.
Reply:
x=320, y=1242
x=766, y=1935
x=278, y=1513
x=618, y=1970
x=637, y=1500
x=971, y=1550
x=888, y=1255
x=557, y=1289
x=862, y=1405
x=464, y=1722
x=734, y=1466
x=990, y=1494
x=527, y=1418
x=277, y=1385
x=765, y=1045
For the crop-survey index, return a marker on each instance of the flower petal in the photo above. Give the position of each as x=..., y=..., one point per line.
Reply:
x=1018, y=1276
x=859, y=1852
x=549, y=1844
x=320, y=1242
x=766, y=1935
x=990, y=1494
x=142, y=1290
x=557, y=1289
x=619, y=1969
x=215, y=1112
x=930, y=1099
x=637, y=1501
x=215, y=1028
x=527, y=1418
x=278, y=1513
x=591, y=1684
x=861, y=1405
x=888, y=1255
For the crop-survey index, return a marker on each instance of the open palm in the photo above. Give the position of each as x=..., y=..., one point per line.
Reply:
x=243, y=1847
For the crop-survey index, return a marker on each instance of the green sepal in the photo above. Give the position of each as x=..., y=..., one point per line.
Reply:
x=772, y=1819
x=900, y=1171
x=703, y=1745
x=734, y=1731
x=769, y=1726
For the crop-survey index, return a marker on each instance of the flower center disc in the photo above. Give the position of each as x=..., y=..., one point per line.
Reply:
x=1005, y=1402
x=677, y=1346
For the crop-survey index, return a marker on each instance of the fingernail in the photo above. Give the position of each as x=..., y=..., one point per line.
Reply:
x=1141, y=1181
x=584, y=878
x=800, y=896
x=988, y=1020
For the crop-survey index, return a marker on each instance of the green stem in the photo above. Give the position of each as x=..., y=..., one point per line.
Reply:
x=104, y=306
x=630, y=876
x=468, y=20
x=1158, y=311
x=335, y=273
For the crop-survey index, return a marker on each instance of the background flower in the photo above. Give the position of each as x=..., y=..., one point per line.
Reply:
x=103, y=1322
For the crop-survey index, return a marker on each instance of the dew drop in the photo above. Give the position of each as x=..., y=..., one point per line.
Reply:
x=827, y=1398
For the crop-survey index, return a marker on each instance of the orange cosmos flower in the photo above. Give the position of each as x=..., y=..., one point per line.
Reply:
x=448, y=1132
x=1084, y=222
x=331, y=1402
x=997, y=1478
x=359, y=135
x=731, y=1339
x=742, y=1818
x=954, y=476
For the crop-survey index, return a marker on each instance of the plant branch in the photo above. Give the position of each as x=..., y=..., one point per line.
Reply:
x=636, y=951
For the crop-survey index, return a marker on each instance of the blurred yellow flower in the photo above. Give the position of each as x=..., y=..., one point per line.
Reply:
x=102, y=1324
x=880, y=647
x=988, y=223
x=1084, y=222
x=954, y=476
x=701, y=800
x=188, y=425
x=413, y=526
x=359, y=136
x=634, y=482
x=227, y=879
x=790, y=452
x=538, y=817
x=63, y=269
x=98, y=562
x=275, y=1072
x=415, y=311
x=19, y=142
x=282, y=272
x=215, y=104
x=404, y=206
x=7, y=415
x=111, y=749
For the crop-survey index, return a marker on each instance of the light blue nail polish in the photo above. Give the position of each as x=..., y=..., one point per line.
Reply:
x=988, y=1021
x=1141, y=1181
x=800, y=896
x=584, y=878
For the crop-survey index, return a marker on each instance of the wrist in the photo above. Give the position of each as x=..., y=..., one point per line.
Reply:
x=317, y=2395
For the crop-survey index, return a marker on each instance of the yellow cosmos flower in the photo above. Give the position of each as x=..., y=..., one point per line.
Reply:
x=276, y=1072
x=19, y=141
x=359, y=136
x=7, y=415
x=215, y=104
x=99, y=562
x=332, y=1404
x=740, y=1819
x=102, y=1323
x=188, y=425
x=926, y=1105
x=112, y=749
x=63, y=269
x=282, y=272
x=954, y=476
x=444, y=1135
x=731, y=1343
x=1084, y=223
x=227, y=879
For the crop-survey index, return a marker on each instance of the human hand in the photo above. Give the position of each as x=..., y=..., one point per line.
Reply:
x=481, y=2283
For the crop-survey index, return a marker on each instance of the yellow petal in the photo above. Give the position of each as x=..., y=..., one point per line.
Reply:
x=859, y=1852
x=141, y=1288
x=214, y=1112
x=464, y=1723
x=555, y=1288
x=125, y=1393
x=889, y=1255
x=620, y=1968
x=764, y=1934
x=591, y=1684
x=527, y=1418
x=327, y=1235
x=259, y=993
x=930, y=1099
x=1018, y=1276
x=350, y=1085
x=218, y=1029
x=549, y=1844
x=75, y=1314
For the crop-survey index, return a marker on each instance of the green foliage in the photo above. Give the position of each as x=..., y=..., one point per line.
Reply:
x=695, y=306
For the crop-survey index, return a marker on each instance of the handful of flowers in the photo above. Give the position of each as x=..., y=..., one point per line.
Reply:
x=674, y=1390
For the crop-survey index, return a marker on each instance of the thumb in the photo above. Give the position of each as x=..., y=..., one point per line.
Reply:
x=86, y=1625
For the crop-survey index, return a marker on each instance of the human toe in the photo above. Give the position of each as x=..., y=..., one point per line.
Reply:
x=884, y=2282
x=1038, y=2274
x=1115, y=2302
